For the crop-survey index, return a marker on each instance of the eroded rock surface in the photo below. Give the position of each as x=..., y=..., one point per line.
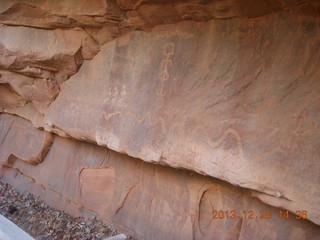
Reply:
x=195, y=96
x=227, y=89
x=150, y=201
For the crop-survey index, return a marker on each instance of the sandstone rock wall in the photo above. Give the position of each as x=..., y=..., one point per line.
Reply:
x=227, y=89
x=149, y=201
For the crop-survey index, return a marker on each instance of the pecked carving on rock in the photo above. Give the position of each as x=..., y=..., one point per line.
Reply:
x=146, y=200
x=228, y=89
x=196, y=96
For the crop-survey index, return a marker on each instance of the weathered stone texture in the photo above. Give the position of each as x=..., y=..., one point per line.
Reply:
x=227, y=89
x=196, y=96
x=149, y=201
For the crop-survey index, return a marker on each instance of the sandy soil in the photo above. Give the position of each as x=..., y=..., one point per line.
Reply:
x=44, y=222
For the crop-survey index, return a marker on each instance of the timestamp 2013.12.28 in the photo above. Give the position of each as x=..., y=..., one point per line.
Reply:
x=251, y=214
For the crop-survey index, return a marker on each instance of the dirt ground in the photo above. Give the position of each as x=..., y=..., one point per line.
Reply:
x=43, y=222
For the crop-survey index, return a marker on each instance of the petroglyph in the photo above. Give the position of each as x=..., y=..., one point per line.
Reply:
x=115, y=95
x=229, y=141
x=148, y=117
x=164, y=76
x=110, y=115
x=223, y=137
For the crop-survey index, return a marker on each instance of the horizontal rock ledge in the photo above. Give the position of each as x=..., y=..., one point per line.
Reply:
x=228, y=89
x=127, y=192
x=219, y=98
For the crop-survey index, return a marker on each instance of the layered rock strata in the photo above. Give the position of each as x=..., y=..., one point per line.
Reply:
x=146, y=200
x=227, y=89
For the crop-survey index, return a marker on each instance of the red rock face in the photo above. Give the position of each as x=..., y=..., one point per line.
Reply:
x=233, y=93
x=150, y=201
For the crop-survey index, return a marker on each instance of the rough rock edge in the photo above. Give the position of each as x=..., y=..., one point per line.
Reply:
x=273, y=197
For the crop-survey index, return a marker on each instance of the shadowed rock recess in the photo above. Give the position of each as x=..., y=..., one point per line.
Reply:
x=167, y=119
